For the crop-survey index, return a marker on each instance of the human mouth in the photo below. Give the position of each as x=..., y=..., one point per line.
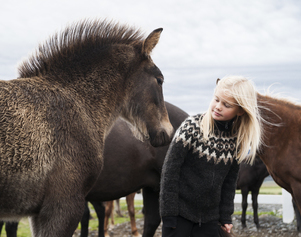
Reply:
x=217, y=114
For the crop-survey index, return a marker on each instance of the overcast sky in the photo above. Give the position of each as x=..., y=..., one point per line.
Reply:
x=201, y=41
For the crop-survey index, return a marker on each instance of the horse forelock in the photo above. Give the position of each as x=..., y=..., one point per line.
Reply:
x=78, y=39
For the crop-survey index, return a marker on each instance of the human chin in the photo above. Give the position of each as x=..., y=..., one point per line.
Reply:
x=217, y=116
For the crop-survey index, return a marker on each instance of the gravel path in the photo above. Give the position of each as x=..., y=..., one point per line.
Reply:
x=271, y=225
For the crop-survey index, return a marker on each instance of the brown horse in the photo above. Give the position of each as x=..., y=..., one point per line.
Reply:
x=130, y=165
x=250, y=178
x=55, y=117
x=281, y=151
x=109, y=213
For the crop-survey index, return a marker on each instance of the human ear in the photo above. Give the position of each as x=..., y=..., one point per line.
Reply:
x=240, y=111
x=217, y=80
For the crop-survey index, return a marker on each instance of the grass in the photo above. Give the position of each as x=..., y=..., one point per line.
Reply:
x=93, y=223
x=270, y=213
x=24, y=229
x=269, y=188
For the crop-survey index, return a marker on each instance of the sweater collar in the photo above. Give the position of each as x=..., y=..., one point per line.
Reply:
x=224, y=125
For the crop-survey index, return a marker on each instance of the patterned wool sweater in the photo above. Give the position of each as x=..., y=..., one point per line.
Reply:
x=198, y=177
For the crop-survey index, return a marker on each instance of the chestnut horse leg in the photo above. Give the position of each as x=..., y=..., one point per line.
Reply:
x=131, y=208
x=118, y=211
x=151, y=213
x=109, y=206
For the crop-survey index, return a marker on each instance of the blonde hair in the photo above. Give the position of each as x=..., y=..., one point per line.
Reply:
x=247, y=126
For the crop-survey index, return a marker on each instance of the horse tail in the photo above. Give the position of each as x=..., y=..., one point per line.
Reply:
x=223, y=233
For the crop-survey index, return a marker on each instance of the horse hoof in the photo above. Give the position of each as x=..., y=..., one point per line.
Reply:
x=136, y=234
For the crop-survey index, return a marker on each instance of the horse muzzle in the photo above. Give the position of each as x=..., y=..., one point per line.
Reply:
x=162, y=137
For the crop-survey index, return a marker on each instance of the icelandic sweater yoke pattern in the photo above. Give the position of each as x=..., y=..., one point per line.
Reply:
x=220, y=146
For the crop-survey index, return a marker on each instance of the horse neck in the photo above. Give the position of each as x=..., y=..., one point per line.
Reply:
x=282, y=119
x=103, y=99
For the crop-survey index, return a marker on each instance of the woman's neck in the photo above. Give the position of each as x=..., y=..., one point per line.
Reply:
x=224, y=125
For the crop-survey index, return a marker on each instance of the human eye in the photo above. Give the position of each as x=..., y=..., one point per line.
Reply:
x=227, y=105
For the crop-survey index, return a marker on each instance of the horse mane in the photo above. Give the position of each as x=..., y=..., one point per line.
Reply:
x=75, y=42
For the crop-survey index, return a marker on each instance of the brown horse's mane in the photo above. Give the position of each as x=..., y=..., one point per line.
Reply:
x=77, y=42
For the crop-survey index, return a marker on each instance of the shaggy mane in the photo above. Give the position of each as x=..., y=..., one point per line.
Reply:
x=76, y=41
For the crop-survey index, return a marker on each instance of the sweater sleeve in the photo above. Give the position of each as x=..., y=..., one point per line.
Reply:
x=169, y=186
x=228, y=193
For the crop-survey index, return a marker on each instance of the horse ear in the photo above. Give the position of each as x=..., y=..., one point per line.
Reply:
x=151, y=41
x=217, y=80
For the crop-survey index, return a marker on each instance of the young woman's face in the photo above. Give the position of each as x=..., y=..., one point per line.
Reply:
x=223, y=107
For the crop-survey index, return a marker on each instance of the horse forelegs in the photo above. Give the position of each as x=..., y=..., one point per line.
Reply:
x=1, y=225
x=85, y=222
x=152, y=217
x=255, y=207
x=118, y=211
x=244, y=205
x=297, y=203
x=58, y=218
x=298, y=216
x=109, y=206
x=100, y=212
x=131, y=208
x=11, y=229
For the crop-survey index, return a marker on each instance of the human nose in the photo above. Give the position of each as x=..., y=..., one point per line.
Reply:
x=218, y=106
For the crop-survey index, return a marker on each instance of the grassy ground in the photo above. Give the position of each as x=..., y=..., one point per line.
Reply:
x=24, y=229
x=269, y=188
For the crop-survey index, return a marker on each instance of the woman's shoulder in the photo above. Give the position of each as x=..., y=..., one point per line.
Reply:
x=191, y=123
x=193, y=119
x=189, y=129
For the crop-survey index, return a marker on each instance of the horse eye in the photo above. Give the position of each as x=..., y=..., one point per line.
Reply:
x=159, y=80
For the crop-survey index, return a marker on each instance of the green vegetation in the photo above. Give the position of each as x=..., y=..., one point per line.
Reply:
x=24, y=229
x=270, y=213
x=93, y=223
x=269, y=188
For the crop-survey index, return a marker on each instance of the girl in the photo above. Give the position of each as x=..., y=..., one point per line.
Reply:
x=201, y=166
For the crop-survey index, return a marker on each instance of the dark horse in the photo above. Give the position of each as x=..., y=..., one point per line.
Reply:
x=56, y=115
x=10, y=228
x=128, y=167
x=250, y=178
